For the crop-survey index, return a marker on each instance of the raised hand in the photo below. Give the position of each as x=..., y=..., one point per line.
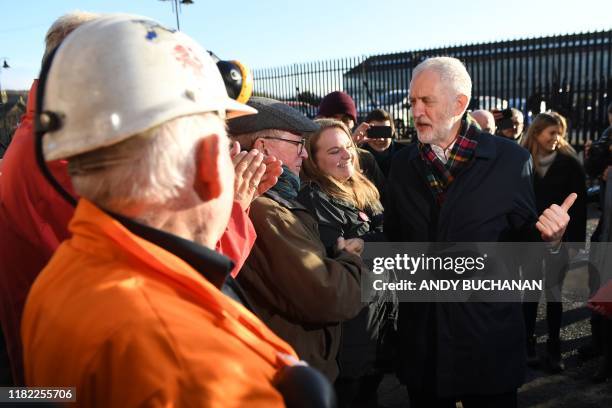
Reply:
x=360, y=134
x=250, y=169
x=270, y=177
x=553, y=221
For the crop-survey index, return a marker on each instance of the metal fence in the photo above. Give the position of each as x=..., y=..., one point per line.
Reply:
x=571, y=74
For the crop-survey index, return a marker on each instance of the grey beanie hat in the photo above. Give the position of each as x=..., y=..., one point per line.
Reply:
x=271, y=114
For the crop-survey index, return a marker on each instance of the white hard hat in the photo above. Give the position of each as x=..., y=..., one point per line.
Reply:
x=120, y=75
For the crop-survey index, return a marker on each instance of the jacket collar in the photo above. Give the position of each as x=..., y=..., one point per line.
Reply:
x=210, y=264
x=290, y=204
x=485, y=149
x=96, y=232
x=109, y=235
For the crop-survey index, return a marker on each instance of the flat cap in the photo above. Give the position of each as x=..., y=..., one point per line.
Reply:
x=271, y=114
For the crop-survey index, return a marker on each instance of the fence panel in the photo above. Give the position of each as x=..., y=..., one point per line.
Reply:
x=571, y=74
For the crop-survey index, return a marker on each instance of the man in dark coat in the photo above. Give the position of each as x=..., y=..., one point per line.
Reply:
x=461, y=185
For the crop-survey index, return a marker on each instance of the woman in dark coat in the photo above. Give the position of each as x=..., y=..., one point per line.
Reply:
x=346, y=204
x=557, y=174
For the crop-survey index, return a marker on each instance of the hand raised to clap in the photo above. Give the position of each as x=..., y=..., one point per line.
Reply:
x=255, y=174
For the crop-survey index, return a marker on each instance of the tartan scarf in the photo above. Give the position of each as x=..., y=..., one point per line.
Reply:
x=440, y=175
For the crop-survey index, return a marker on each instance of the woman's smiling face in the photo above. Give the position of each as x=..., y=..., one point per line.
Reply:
x=335, y=154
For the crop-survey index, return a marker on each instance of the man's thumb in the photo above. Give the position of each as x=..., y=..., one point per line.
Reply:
x=569, y=201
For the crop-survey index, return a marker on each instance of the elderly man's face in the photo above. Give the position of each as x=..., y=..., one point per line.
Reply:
x=287, y=147
x=485, y=120
x=432, y=108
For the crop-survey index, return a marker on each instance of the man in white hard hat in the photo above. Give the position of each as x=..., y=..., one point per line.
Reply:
x=129, y=309
x=34, y=217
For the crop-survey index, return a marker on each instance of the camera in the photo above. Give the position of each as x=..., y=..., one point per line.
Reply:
x=380, y=132
x=504, y=120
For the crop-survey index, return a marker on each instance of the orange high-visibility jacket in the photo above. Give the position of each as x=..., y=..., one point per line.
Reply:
x=129, y=324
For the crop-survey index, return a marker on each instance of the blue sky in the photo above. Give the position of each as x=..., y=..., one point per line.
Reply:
x=268, y=33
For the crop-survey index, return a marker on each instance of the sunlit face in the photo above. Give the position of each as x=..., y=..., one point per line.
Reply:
x=517, y=126
x=485, y=120
x=380, y=145
x=548, y=139
x=285, y=147
x=432, y=108
x=335, y=154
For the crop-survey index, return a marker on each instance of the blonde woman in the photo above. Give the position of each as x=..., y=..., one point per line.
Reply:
x=557, y=174
x=346, y=204
x=343, y=200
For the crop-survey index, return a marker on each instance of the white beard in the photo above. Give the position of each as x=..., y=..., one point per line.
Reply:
x=441, y=135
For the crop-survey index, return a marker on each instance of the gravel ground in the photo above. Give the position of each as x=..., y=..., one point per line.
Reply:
x=572, y=388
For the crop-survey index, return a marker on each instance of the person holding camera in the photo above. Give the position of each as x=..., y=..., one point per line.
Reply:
x=380, y=140
x=510, y=123
x=557, y=174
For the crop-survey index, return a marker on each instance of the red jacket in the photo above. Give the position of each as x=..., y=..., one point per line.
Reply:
x=34, y=221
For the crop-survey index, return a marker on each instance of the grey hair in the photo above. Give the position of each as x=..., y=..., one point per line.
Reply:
x=154, y=169
x=451, y=71
x=63, y=26
x=517, y=113
x=247, y=140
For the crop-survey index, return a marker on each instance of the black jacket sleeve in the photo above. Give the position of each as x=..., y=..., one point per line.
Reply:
x=524, y=215
x=371, y=170
x=576, y=230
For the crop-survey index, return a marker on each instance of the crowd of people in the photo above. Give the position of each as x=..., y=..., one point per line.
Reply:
x=214, y=254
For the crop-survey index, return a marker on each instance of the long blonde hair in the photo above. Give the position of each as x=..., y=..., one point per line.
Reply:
x=357, y=190
x=541, y=122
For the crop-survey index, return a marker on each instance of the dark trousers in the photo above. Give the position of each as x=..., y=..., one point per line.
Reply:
x=555, y=267
x=554, y=314
x=606, y=337
x=358, y=392
x=422, y=400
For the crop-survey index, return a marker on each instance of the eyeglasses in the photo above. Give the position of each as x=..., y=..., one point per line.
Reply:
x=300, y=143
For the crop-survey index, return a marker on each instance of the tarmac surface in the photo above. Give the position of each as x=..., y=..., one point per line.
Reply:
x=571, y=389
